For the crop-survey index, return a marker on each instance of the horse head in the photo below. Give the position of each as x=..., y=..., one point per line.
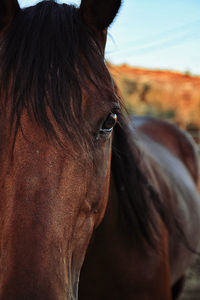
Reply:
x=58, y=108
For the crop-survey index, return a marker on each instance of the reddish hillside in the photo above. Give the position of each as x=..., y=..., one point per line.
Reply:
x=161, y=93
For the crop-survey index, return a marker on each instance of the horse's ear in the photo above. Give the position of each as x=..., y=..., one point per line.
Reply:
x=8, y=10
x=99, y=14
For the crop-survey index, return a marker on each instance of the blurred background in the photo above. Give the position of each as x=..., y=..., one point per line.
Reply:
x=153, y=53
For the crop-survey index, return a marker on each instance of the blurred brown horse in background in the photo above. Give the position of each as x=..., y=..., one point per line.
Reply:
x=67, y=167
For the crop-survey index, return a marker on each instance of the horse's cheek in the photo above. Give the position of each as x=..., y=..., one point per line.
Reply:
x=103, y=182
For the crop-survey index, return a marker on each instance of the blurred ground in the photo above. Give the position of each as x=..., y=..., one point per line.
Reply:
x=170, y=95
x=192, y=284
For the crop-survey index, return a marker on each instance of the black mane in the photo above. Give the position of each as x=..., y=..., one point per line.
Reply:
x=47, y=56
x=138, y=198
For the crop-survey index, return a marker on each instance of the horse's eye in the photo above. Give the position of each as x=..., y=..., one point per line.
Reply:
x=109, y=123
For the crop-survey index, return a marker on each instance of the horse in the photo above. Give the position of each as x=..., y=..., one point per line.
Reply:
x=133, y=253
x=89, y=209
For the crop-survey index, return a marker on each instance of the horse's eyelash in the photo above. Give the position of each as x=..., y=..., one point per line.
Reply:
x=116, y=109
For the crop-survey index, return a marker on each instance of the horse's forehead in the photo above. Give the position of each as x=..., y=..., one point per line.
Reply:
x=93, y=100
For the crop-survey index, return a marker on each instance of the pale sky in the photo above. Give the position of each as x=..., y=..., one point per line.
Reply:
x=154, y=34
